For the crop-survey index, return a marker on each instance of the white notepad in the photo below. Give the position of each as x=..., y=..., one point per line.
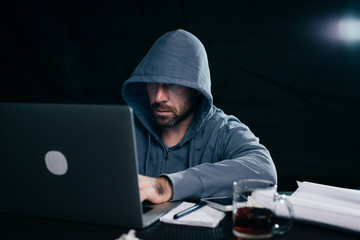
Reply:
x=203, y=217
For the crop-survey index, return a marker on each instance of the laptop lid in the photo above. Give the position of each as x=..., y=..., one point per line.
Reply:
x=72, y=162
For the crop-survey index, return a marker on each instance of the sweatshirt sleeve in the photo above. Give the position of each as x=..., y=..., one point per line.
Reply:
x=238, y=155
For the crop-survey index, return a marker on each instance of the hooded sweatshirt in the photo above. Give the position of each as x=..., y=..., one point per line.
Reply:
x=216, y=150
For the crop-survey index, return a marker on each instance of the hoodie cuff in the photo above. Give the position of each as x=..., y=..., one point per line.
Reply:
x=186, y=185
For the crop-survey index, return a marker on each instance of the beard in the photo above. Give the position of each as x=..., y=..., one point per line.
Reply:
x=177, y=115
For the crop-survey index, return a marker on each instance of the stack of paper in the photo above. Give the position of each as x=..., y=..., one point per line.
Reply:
x=328, y=205
x=203, y=217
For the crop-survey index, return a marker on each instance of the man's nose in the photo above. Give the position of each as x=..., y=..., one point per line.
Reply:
x=161, y=94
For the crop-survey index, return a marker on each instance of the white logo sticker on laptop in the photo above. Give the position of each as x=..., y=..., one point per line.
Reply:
x=56, y=162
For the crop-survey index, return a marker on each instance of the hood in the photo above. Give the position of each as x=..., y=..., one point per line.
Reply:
x=177, y=57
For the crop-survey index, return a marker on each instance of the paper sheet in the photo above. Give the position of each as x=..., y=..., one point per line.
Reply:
x=334, y=206
x=203, y=217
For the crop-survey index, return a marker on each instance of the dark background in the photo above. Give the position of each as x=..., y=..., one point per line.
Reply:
x=276, y=65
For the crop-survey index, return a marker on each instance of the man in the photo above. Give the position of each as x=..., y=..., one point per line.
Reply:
x=187, y=148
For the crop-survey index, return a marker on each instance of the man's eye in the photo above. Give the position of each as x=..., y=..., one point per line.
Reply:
x=152, y=85
x=170, y=87
x=174, y=87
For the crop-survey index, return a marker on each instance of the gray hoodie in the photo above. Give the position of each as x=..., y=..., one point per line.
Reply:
x=216, y=150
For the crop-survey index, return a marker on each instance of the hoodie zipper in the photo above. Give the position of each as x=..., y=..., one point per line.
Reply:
x=167, y=150
x=166, y=158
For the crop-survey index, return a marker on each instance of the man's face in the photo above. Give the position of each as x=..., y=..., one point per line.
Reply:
x=170, y=103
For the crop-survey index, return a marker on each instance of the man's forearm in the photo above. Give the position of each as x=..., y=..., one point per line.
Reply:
x=164, y=187
x=156, y=190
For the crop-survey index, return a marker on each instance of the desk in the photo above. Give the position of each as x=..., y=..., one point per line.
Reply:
x=20, y=227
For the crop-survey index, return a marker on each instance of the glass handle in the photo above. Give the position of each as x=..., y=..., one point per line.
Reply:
x=281, y=198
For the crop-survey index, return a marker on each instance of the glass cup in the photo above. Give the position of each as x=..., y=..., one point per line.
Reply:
x=255, y=207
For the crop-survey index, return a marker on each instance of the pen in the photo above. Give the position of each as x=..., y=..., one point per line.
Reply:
x=189, y=210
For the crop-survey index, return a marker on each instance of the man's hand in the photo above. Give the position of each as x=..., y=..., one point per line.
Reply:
x=155, y=190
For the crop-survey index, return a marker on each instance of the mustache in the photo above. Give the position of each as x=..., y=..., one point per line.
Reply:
x=161, y=107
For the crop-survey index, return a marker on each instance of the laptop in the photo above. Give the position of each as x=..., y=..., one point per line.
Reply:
x=72, y=162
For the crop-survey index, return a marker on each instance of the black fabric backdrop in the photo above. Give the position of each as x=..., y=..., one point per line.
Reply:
x=275, y=65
